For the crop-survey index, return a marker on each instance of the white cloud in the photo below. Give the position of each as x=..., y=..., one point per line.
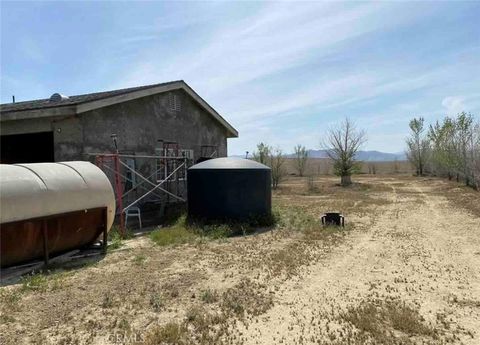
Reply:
x=454, y=104
x=279, y=37
x=233, y=69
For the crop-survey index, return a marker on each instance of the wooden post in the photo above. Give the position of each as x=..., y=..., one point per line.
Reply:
x=105, y=229
x=119, y=191
x=45, y=241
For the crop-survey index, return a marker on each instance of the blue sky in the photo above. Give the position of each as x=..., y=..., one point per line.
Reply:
x=280, y=72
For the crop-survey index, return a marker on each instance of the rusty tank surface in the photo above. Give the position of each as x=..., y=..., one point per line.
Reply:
x=50, y=208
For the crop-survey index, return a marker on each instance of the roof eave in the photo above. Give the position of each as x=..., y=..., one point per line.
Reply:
x=61, y=110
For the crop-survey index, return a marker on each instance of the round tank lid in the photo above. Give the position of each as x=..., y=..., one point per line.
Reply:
x=229, y=163
x=57, y=97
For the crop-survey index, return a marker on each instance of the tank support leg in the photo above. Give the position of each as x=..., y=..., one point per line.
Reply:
x=45, y=242
x=105, y=237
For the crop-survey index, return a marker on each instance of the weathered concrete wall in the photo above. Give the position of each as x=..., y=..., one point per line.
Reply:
x=140, y=123
x=68, y=138
x=67, y=134
x=26, y=126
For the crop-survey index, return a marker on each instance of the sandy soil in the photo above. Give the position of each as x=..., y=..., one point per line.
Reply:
x=420, y=249
x=405, y=271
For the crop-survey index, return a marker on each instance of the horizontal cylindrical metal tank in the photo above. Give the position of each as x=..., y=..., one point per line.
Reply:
x=61, y=205
x=229, y=189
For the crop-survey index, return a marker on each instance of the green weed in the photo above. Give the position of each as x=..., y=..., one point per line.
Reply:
x=186, y=230
x=116, y=239
x=175, y=234
x=209, y=296
x=139, y=259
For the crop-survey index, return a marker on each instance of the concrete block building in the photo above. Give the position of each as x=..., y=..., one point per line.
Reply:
x=62, y=128
x=168, y=119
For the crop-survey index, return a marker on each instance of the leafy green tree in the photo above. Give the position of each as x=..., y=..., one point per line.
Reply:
x=443, y=154
x=464, y=130
x=475, y=162
x=418, y=145
x=451, y=147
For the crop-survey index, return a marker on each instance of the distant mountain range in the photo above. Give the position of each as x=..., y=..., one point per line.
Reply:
x=366, y=156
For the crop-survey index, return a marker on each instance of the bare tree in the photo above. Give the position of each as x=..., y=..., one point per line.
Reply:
x=396, y=168
x=277, y=161
x=342, y=145
x=301, y=159
x=418, y=145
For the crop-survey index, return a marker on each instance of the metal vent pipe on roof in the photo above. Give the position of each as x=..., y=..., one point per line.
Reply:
x=57, y=97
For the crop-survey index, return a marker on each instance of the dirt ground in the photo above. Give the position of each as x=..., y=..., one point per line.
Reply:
x=406, y=270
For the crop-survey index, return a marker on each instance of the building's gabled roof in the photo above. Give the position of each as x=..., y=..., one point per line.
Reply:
x=82, y=103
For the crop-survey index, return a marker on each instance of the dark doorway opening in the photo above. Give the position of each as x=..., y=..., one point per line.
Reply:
x=27, y=148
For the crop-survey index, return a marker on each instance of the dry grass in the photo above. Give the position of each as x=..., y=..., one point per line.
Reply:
x=247, y=298
x=387, y=322
x=364, y=195
x=218, y=292
x=9, y=303
x=464, y=302
x=459, y=195
x=170, y=333
x=213, y=326
x=321, y=166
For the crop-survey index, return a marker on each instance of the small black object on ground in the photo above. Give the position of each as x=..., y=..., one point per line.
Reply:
x=333, y=218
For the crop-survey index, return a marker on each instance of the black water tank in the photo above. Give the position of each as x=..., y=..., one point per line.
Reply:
x=229, y=189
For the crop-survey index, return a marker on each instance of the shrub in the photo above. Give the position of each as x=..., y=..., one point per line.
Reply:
x=176, y=234
x=115, y=237
x=186, y=230
x=171, y=333
x=209, y=296
x=156, y=302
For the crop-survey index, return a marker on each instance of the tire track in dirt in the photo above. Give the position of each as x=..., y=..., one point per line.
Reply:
x=452, y=239
x=340, y=279
x=417, y=250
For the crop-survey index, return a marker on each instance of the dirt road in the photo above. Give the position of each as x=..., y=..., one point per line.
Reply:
x=406, y=271
x=420, y=250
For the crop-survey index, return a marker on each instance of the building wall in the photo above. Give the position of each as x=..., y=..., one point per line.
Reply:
x=67, y=134
x=68, y=138
x=140, y=123
x=26, y=126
